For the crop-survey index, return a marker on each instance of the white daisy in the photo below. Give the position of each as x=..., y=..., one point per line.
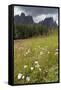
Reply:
x=48, y=52
x=36, y=62
x=57, y=49
x=25, y=66
x=39, y=69
x=56, y=53
x=46, y=71
x=32, y=68
x=28, y=78
x=41, y=53
x=23, y=77
x=19, y=76
x=37, y=65
x=28, y=50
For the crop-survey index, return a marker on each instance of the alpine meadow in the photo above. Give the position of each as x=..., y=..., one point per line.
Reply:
x=36, y=45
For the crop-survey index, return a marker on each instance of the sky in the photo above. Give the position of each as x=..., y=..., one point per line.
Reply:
x=38, y=13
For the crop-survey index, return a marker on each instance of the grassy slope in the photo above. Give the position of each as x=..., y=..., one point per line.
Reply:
x=42, y=50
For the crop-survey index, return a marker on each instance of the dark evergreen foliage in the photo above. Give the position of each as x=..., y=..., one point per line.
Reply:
x=23, y=31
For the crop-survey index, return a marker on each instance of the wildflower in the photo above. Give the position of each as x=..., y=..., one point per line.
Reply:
x=37, y=65
x=19, y=76
x=25, y=66
x=43, y=49
x=41, y=53
x=48, y=52
x=36, y=62
x=32, y=68
x=28, y=78
x=23, y=77
x=56, y=53
x=28, y=50
x=39, y=69
x=57, y=49
x=46, y=71
x=24, y=54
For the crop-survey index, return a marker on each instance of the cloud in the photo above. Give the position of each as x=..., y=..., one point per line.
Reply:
x=38, y=13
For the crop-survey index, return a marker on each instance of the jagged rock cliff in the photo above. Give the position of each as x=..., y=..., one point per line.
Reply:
x=23, y=19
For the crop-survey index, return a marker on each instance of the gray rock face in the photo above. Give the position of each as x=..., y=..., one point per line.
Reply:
x=23, y=19
x=49, y=22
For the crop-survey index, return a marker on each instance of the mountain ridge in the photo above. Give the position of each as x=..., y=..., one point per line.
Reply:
x=22, y=19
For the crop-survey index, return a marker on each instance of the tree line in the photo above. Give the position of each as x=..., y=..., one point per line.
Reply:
x=23, y=31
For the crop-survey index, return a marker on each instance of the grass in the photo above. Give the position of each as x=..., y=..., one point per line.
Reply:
x=36, y=60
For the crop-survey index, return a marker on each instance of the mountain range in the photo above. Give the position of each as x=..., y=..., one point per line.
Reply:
x=22, y=19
